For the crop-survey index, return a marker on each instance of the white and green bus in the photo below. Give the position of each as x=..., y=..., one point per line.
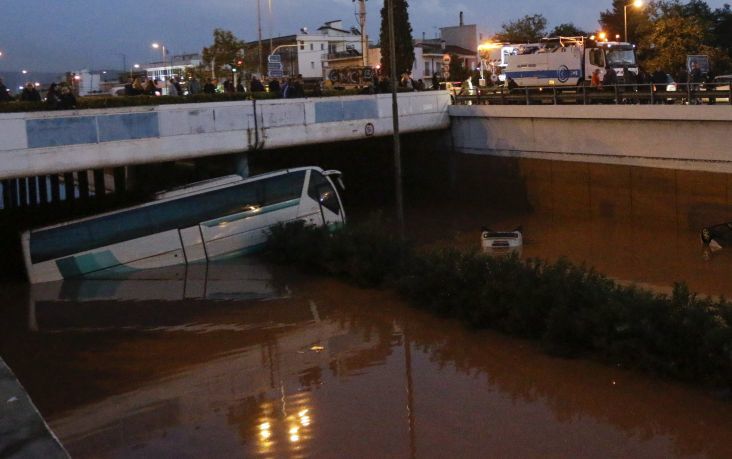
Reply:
x=197, y=223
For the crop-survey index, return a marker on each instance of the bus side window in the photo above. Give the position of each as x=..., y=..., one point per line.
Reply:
x=320, y=189
x=283, y=188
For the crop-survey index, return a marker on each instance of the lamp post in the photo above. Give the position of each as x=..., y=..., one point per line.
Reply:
x=23, y=77
x=637, y=4
x=259, y=37
x=162, y=49
x=395, y=122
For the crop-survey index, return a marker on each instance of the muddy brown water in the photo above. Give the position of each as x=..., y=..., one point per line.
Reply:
x=245, y=359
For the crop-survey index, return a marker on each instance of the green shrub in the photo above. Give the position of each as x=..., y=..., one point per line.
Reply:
x=570, y=309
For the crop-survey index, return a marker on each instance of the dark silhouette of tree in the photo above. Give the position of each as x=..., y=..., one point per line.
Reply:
x=402, y=38
x=525, y=30
x=722, y=32
x=567, y=30
x=458, y=70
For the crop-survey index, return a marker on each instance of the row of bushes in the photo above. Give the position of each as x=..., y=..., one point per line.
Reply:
x=134, y=101
x=570, y=309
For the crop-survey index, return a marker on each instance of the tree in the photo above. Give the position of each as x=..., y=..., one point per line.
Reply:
x=682, y=29
x=722, y=34
x=567, y=30
x=457, y=68
x=225, y=50
x=525, y=30
x=404, y=48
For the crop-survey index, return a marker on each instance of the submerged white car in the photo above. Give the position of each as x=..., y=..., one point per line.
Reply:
x=501, y=242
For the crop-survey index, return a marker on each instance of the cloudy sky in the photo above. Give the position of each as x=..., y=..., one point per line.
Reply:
x=61, y=35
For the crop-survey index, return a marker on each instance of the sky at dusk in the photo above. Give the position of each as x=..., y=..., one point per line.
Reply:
x=65, y=35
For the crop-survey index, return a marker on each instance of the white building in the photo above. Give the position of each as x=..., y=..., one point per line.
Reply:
x=433, y=55
x=308, y=53
x=177, y=66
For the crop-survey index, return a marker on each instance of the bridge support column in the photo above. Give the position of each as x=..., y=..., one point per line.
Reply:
x=43, y=190
x=69, y=191
x=83, y=184
x=241, y=164
x=99, y=188
x=55, y=188
x=120, y=179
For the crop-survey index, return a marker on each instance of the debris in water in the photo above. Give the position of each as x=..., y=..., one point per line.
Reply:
x=717, y=237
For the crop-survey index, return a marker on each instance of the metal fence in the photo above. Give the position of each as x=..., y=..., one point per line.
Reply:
x=684, y=93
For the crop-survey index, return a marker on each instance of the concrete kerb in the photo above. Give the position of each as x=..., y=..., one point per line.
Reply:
x=23, y=431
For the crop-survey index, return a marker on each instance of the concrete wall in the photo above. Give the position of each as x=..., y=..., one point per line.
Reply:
x=667, y=136
x=52, y=142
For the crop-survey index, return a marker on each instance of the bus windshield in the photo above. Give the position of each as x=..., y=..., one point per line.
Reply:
x=617, y=57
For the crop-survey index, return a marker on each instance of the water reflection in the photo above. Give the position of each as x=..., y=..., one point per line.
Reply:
x=286, y=365
x=150, y=299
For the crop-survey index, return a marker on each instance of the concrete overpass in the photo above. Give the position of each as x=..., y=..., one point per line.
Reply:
x=667, y=136
x=42, y=143
x=685, y=137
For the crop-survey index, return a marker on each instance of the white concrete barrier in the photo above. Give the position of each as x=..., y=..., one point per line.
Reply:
x=40, y=143
x=687, y=137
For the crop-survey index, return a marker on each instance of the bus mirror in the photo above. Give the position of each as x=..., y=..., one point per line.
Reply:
x=337, y=176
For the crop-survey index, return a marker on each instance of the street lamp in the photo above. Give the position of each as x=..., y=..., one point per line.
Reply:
x=637, y=4
x=162, y=49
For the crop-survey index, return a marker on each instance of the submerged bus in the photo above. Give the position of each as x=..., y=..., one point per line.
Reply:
x=201, y=222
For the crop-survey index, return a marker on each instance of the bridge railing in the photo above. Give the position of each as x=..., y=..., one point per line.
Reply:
x=684, y=93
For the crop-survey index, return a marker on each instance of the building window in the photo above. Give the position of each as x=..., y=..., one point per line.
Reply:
x=311, y=46
x=302, y=45
x=322, y=46
x=427, y=71
x=312, y=64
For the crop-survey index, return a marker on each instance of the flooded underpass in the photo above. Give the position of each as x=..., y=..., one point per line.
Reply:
x=247, y=359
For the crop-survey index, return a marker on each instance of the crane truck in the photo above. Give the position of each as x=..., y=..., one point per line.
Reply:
x=568, y=61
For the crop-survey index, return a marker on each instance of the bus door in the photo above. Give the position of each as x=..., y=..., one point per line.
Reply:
x=191, y=239
x=322, y=191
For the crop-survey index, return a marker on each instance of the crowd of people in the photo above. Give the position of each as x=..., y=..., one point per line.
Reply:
x=61, y=95
x=58, y=96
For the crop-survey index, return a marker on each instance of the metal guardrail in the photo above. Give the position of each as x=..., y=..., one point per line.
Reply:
x=686, y=93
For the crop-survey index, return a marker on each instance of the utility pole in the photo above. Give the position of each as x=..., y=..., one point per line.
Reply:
x=395, y=121
x=259, y=32
x=362, y=25
x=270, y=26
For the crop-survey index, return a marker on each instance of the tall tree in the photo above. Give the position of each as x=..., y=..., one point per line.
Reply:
x=404, y=48
x=225, y=49
x=525, y=30
x=680, y=29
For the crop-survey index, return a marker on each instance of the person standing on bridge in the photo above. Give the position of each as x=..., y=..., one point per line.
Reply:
x=595, y=80
x=30, y=94
x=659, y=81
x=210, y=86
x=4, y=93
